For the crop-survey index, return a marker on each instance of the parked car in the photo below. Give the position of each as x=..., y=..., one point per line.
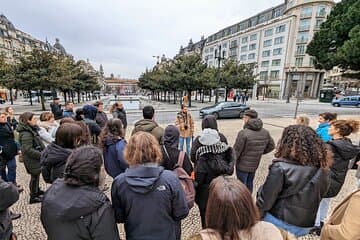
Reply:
x=225, y=110
x=347, y=101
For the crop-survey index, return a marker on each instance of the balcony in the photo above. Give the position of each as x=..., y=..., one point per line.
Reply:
x=302, y=40
x=304, y=28
x=305, y=15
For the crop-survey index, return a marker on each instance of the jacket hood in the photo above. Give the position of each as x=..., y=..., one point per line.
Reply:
x=22, y=127
x=55, y=153
x=345, y=148
x=90, y=111
x=209, y=137
x=171, y=136
x=146, y=125
x=209, y=121
x=254, y=124
x=69, y=203
x=142, y=179
x=111, y=141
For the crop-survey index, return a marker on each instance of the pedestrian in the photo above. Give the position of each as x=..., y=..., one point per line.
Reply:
x=147, y=198
x=31, y=148
x=343, y=151
x=215, y=158
x=101, y=117
x=296, y=182
x=69, y=110
x=9, y=195
x=117, y=111
x=251, y=143
x=185, y=123
x=113, y=144
x=11, y=117
x=89, y=119
x=344, y=222
x=47, y=127
x=302, y=120
x=209, y=121
x=324, y=125
x=185, y=100
x=74, y=207
x=85, y=139
x=232, y=214
x=171, y=152
x=8, y=151
x=149, y=125
x=56, y=108
x=54, y=156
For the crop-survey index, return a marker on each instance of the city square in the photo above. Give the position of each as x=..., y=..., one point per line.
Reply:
x=243, y=87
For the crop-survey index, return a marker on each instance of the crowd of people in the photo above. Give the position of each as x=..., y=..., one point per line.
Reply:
x=156, y=182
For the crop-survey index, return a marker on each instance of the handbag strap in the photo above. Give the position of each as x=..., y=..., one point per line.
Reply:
x=181, y=158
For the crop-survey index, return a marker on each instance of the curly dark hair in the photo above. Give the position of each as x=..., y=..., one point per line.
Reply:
x=301, y=144
x=113, y=130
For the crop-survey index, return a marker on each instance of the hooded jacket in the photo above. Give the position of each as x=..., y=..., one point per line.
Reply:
x=90, y=115
x=114, y=161
x=323, y=131
x=149, y=200
x=84, y=212
x=101, y=119
x=209, y=121
x=150, y=126
x=9, y=195
x=31, y=148
x=251, y=143
x=171, y=152
x=7, y=142
x=56, y=110
x=53, y=160
x=343, y=151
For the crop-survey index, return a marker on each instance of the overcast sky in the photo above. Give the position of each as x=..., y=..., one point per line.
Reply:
x=123, y=35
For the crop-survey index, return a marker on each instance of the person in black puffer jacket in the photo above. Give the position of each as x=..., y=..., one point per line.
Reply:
x=297, y=180
x=89, y=118
x=343, y=151
x=215, y=158
x=54, y=156
x=74, y=207
x=209, y=121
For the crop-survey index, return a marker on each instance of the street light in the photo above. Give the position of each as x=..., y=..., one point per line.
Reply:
x=219, y=56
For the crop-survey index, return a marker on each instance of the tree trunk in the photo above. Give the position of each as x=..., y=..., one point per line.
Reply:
x=196, y=93
x=210, y=95
x=226, y=94
x=38, y=96
x=202, y=95
x=11, y=97
x=78, y=93
x=29, y=92
x=189, y=97
x=72, y=95
x=64, y=93
x=42, y=100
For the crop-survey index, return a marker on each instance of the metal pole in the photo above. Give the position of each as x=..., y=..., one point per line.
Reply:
x=289, y=87
x=218, y=76
x=296, y=107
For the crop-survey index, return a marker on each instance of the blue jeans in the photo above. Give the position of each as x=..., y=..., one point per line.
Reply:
x=322, y=211
x=181, y=144
x=246, y=178
x=10, y=175
x=297, y=231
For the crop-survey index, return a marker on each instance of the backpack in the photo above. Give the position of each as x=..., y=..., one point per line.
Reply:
x=185, y=180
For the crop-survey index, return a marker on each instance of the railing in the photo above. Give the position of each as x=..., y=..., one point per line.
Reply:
x=302, y=40
x=304, y=28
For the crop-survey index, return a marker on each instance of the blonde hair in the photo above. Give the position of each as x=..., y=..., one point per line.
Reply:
x=303, y=120
x=142, y=148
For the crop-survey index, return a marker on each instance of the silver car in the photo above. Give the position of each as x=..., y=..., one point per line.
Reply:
x=225, y=110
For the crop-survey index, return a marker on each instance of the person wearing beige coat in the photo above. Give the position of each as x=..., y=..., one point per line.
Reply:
x=344, y=223
x=185, y=123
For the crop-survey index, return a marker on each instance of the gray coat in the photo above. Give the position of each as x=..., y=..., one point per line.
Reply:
x=71, y=213
x=8, y=196
x=251, y=143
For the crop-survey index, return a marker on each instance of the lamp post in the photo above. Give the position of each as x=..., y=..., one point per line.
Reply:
x=219, y=56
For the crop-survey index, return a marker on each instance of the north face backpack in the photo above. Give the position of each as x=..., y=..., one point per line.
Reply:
x=185, y=180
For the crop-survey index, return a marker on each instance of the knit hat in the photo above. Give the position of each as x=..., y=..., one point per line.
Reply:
x=251, y=113
x=209, y=137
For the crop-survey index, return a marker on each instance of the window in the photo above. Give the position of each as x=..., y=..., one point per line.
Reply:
x=302, y=37
x=312, y=62
x=268, y=43
x=207, y=50
x=224, y=45
x=233, y=44
x=253, y=37
x=274, y=74
x=318, y=23
x=251, y=56
x=262, y=18
x=304, y=25
x=233, y=29
x=278, y=40
x=300, y=49
x=266, y=53
x=277, y=51
x=321, y=11
x=268, y=32
x=298, y=61
x=253, y=21
x=263, y=75
x=280, y=29
x=252, y=46
x=306, y=12
x=276, y=62
x=243, y=57
x=244, y=40
x=264, y=63
x=277, y=13
x=243, y=48
x=243, y=25
x=232, y=52
x=211, y=49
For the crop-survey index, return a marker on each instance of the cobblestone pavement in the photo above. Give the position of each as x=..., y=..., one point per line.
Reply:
x=29, y=226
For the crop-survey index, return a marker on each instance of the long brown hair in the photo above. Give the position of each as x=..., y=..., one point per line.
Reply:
x=301, y=144
x=230, y=208
x=346, y=127
x=25, y=117
x=68, y=135
x=113, y=130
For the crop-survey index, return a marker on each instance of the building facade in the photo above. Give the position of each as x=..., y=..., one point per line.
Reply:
x=120, y=86
x=276, y=41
